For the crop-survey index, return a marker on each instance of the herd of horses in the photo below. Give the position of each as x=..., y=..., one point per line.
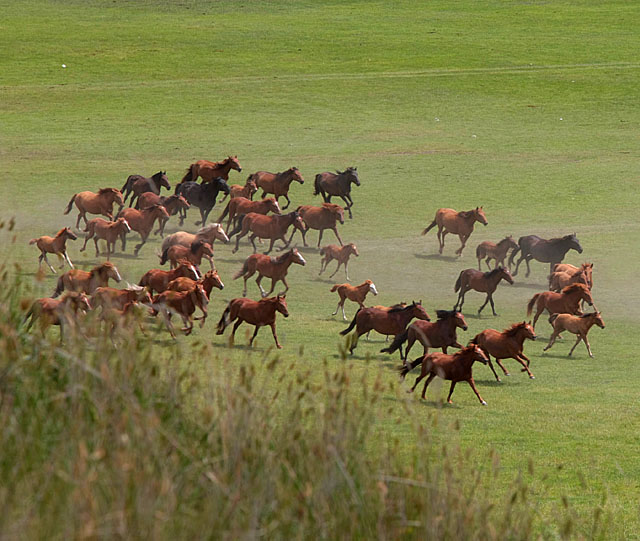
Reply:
x=184, y=289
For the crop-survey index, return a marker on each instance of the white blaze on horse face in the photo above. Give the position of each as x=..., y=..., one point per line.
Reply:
x=117, y=278
x=372, y=288
x=301, y=259
x=195, y=272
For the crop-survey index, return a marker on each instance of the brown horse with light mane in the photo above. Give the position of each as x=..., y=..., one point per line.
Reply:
x=565, y=302
x=388, y=321
x=275, y=268
x=579, y=325
x=458, y=223
x=193, y=254
x=158, y=280
x=99, y=229
x=353, y=293
x=236, y=190
x=258, y=313
x=266, y=227
x=484, y=282
x=141, y=221
x=183, y=303
x=87, y=281
x=325, y=217
x=340, y=254
x=506, y=345
x=242, y=205
x=582, y=275
x=455, y=368
x=54, y=245
x=437, y=334
x=277, y=183
x=210, y=170
x=50, y=311
x=488, y=250
x=208, y=233
x=95, y=203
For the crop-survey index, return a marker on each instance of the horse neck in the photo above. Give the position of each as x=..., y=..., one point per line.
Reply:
x=465, y=358
x=404, y=315
x=363, y=289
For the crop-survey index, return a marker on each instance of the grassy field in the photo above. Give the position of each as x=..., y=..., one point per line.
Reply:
x=526, y=108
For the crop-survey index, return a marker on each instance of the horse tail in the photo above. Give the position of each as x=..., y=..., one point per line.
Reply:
x=404, y=370
x=480, y=251
x=188, y=177
x=33, y=241
x=433, y=224
x=322, y=251
x=335, y=288
x=243, y=271
x=456, y=288
x=59, y=288
x=316, y=185
x=224, y=212
x=513, y=255
x=68, y=209
x=126, y=184
x=352, y=325
x=397, y=342
x=165, y=256
x=531, y=303
x=224, y=320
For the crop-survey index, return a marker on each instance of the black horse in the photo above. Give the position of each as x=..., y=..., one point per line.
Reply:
x=550, y=251
x=202, y=196
x=339, y=184
x=139, y=184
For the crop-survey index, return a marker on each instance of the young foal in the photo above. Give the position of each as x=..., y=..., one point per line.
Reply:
x=193, y=254
x=54, y=245
x=158, y=280
x=565, y=302
x=353, y=293
x=490, y=250
x=108, y=231
x=142, y=222
x=210, y=280
x=485, y=282
x=559, y=279
x=271, y=267
x=340, y=254
x=87, y=282
x=242, y=205
x=579, y=325
x=458, y=223
x=95, y=203
x=236, y=190
x=57, y=311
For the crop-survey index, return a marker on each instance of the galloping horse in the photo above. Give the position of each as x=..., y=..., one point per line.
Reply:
x=437, y=334
x=210, y=170
x=565, y=302
x=339, y=184
x=485, y=282
x=57, y=311
x=258, y=313
x=455, y=368
x=142, y=222
x=158, y=280
x=270, y=267
x=458, y=223
x=110, y=297
x=87, y=282
x=389, y=321
x=98, y=229
x=490, y=250
x=236, y=190
x=321, y=218
x=579, y=325
x=550, y=251
x=172, y=204
x=193, y=254
x=506, y=345
x=208, y=234
x=183, y=303
x=242, y=205
x=139, y=185
x=582, y=275
x=266, y=227
x=340, y=254
x=95, y=203
x=54, y=245
x=202, y=196
x=353, y=293
x=210, y=280
x=277, y=183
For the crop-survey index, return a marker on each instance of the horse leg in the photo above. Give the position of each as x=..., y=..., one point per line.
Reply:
x=453, y=386
x=335, y=272
x=255, y=333
x=426, y=384
x=348, y=206
x=288, y=201
x=95, y=241
x=86, y=239
x=475, y=390
x=458, y=308
x=441, y=234
x=463, y=241
x=47, y=262
x=535, y=318
x=521, y=359
x=527, y=259
x=494, y=370
x=586, y=343
x=485, y=303
x=262, y=291
x=320, y=237
x=252, y=238
x=574, y=345
x=552, y=339
x=275, y=336
x=323, y=265
x=284, y=281
x=506, y=372
x=78, y=220
x=335, y=230
x=493, y=308
x=340, y=303
x=489, y=266
x=138, y=246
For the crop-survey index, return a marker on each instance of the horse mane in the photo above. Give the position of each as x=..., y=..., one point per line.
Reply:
x=465, y=213
x=445, y=314
x=281, y=258
x=208, y=228
x=506, y=239
x=60, y=232
x=399, y=308
x=103, y=191
x=573, y=288
x=492, y=273
x=195, y=246
x=513, y=330
x=331, y=206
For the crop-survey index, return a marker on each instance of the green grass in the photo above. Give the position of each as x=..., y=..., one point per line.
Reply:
x=529, y=109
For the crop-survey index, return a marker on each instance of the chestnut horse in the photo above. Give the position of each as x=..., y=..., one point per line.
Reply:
x=242, y=205
x=339, y=184
x=258, y=313
x=485, y=282
x=110, y=297
x=582, y=275
x=95, y=203
x=210, y=170
x=459, y=223
x=275, y=268
x=173, y=204
x=54, y=245
x=87, y=281
x=321, y=218
x=389, y=321
x=183, y=303
x=437, y=334
x=550, y=251
x=141, y=221
x=137, y=184
x=236, y=190
x=579, y=325
x=57, y=311
x=158, y=280
x=455, y=368
x=210, y=280
x=193, y=254
x=277, y=183
x=490, y=250
x=565, y=302
x=506, y=345
x=99, y=229
x=340, y=254
x=266, y=227
x=353, y=293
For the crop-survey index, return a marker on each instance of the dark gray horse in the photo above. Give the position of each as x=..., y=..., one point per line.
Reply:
x=550, y=251
x=338, y=184
x=139, y=184
x=202, y=196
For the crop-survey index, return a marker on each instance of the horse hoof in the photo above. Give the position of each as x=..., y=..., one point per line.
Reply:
x=507, y=375
x=532, y=377
x=483, y=403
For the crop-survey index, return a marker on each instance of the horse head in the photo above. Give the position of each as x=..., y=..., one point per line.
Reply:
x=336, y=210
x=459, y=320
x=213, y=278
x=372, y=287
x=67, y=233
x=158, y=211
x=597, y=319
x=295, y=174
x=351, y=174
x=122, y=223
x=478, y=214
x=234, y=163
x=200, y=297
x=218, y=184
x=272, y=205
x=77, y=301
x=352, y=249
x=186, y=268
x=108, y=270
x=296, y=257
x=418, y=311
x=573, y=243
x=281, y=305
x=505, y=274
x=477, y=354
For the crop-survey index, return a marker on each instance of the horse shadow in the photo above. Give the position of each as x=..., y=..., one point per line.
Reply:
x=438, y=257
x=526, y=285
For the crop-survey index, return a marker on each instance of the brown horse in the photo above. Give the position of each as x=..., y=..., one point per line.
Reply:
x=353, y=293
x=455, y=368
x=173, y=204
x=579, y=325
x=242, y=205
x=490, y=250
x=60, y=312
x=95, y=203
x=337, y=184
x=277, y=183
x=458, y=223
x=87, y=281
x=210, y=280
x=210, y=170
x=275, y=268
x=110, y=297
x=141, y=221
x=258, y=313
x=321, y=218
x=561, y=279
x=506, y=345
x=550, y=251
x=54, y=245
x=158, y=280
x=236, y=190
x=485, y=282
x=193, y=254
x=137, y=184
x=266, y=227
x=99, y=229
x=389, y=321
x=183, y=303
x=340, y=254
x=565, y=302
x=437, y=334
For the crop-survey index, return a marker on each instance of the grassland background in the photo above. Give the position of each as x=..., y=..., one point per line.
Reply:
x=527, y=108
